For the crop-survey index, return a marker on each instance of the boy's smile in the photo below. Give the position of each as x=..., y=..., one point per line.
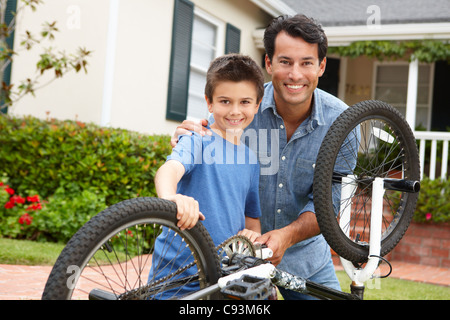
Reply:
x=234, y=105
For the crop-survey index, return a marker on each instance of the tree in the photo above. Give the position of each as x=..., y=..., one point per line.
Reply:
x=59, y=62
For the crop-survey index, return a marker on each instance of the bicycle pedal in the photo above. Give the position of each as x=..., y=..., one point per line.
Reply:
x=248, y=288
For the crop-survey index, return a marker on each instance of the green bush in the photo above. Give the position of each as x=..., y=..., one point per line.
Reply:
x=433, y=204
x=46, y=155
x=56, y=175
x=55, y=219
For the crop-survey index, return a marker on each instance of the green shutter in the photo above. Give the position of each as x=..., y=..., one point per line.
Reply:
x=233, y=39
x=177, y=99
x=11, y=8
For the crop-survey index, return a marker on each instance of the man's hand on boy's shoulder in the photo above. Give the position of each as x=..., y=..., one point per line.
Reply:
x=188, y=212
x=186, y=127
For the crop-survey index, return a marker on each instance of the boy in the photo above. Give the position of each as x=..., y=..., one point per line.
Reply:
x=216, y=178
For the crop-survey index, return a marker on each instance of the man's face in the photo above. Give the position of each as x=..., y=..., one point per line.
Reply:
x=295, y=71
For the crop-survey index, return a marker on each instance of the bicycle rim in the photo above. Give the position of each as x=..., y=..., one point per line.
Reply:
x=113, y=256
x=369, y=140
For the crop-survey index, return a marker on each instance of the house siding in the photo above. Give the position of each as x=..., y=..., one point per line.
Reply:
x=141, y=59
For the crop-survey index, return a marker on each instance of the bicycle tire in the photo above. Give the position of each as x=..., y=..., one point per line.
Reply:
x=114, y=233
x=385, y=147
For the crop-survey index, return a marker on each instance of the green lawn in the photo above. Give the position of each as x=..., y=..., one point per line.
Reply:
x=28, y=252
x=397, y=289
x=34, y=253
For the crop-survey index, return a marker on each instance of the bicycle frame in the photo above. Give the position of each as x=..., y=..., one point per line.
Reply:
x=361, y=275
x=277, y=277
x=379, y=186
x=358, y=275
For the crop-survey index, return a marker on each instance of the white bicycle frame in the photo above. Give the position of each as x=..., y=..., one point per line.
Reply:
x=357, y=275
x=361, y=275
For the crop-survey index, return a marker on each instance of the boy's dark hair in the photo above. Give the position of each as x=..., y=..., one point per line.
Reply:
x=296, y=26
x=234, y=67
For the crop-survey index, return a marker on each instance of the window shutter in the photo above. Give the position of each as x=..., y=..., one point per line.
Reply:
x=11, y=8
x=183, y=18
x=233, y=39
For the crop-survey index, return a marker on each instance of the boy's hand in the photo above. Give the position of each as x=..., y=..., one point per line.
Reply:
x=186, y=127
x=187, y=211
x=251, y=235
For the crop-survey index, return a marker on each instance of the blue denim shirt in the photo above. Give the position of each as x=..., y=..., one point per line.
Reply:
x=287, y=171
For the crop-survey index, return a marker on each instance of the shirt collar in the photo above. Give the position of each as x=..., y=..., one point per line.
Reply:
x=268, y=101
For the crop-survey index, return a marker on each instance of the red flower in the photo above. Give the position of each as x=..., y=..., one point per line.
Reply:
x=26, y=218
x=10, y=204
x=17, y=199
x=36, y=206
x=1, y=184
x=34, y=198
x=428, y=216
x=9, y=190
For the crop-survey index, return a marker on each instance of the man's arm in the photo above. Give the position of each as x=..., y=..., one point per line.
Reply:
x=166, y=180
x=280, y=240
x=186, y=127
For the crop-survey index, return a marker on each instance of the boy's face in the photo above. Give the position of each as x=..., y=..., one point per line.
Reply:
x=234, y=105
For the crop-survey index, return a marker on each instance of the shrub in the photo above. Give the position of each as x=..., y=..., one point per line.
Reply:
x=58, y=174
x=433, y=204
x=55, y=219
x=45, y=155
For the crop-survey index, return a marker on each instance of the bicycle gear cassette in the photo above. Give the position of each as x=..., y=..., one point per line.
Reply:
x=237, y=245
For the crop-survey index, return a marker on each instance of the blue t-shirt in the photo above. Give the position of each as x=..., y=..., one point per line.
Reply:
x=224, y=179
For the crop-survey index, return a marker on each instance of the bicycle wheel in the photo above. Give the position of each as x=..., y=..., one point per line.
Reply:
x=113, y=256
x=370, y=139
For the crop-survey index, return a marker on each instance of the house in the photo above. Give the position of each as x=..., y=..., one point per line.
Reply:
x=150, y=57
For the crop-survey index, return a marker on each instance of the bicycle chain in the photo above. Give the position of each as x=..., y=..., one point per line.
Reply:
x=135, y=294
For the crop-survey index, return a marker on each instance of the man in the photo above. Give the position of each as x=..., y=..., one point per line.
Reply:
x=291, y=123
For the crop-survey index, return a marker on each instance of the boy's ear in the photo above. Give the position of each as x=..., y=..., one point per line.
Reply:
x=257, y=106
x=209, y=104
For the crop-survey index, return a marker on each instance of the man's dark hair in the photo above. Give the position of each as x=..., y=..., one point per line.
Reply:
x=296, y=26
x=234, y=67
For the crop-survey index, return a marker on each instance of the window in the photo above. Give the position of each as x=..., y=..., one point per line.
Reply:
x=197, y=38
x=206, y=45
x=391, y=86
x=11, y=8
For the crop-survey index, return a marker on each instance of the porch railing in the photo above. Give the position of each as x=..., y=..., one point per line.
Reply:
x=429, y=158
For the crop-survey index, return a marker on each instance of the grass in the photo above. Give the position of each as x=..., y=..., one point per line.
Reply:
x=34, y=253
x=25, y=252
x=397, y=289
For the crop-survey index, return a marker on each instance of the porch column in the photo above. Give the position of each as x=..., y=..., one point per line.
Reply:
x=108, y=80
x=411, y=99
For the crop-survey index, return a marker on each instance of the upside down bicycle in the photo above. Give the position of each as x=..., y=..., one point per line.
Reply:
x=366, y=184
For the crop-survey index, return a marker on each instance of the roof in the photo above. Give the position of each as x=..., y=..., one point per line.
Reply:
x=357, y=12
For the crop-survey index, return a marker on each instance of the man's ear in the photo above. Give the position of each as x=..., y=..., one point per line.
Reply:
x=268, y=64
x=322, y=66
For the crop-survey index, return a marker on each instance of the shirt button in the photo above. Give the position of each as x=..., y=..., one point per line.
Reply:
x=281, y=127
x=283, y=158
x=279, y=211
x=280, y=185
